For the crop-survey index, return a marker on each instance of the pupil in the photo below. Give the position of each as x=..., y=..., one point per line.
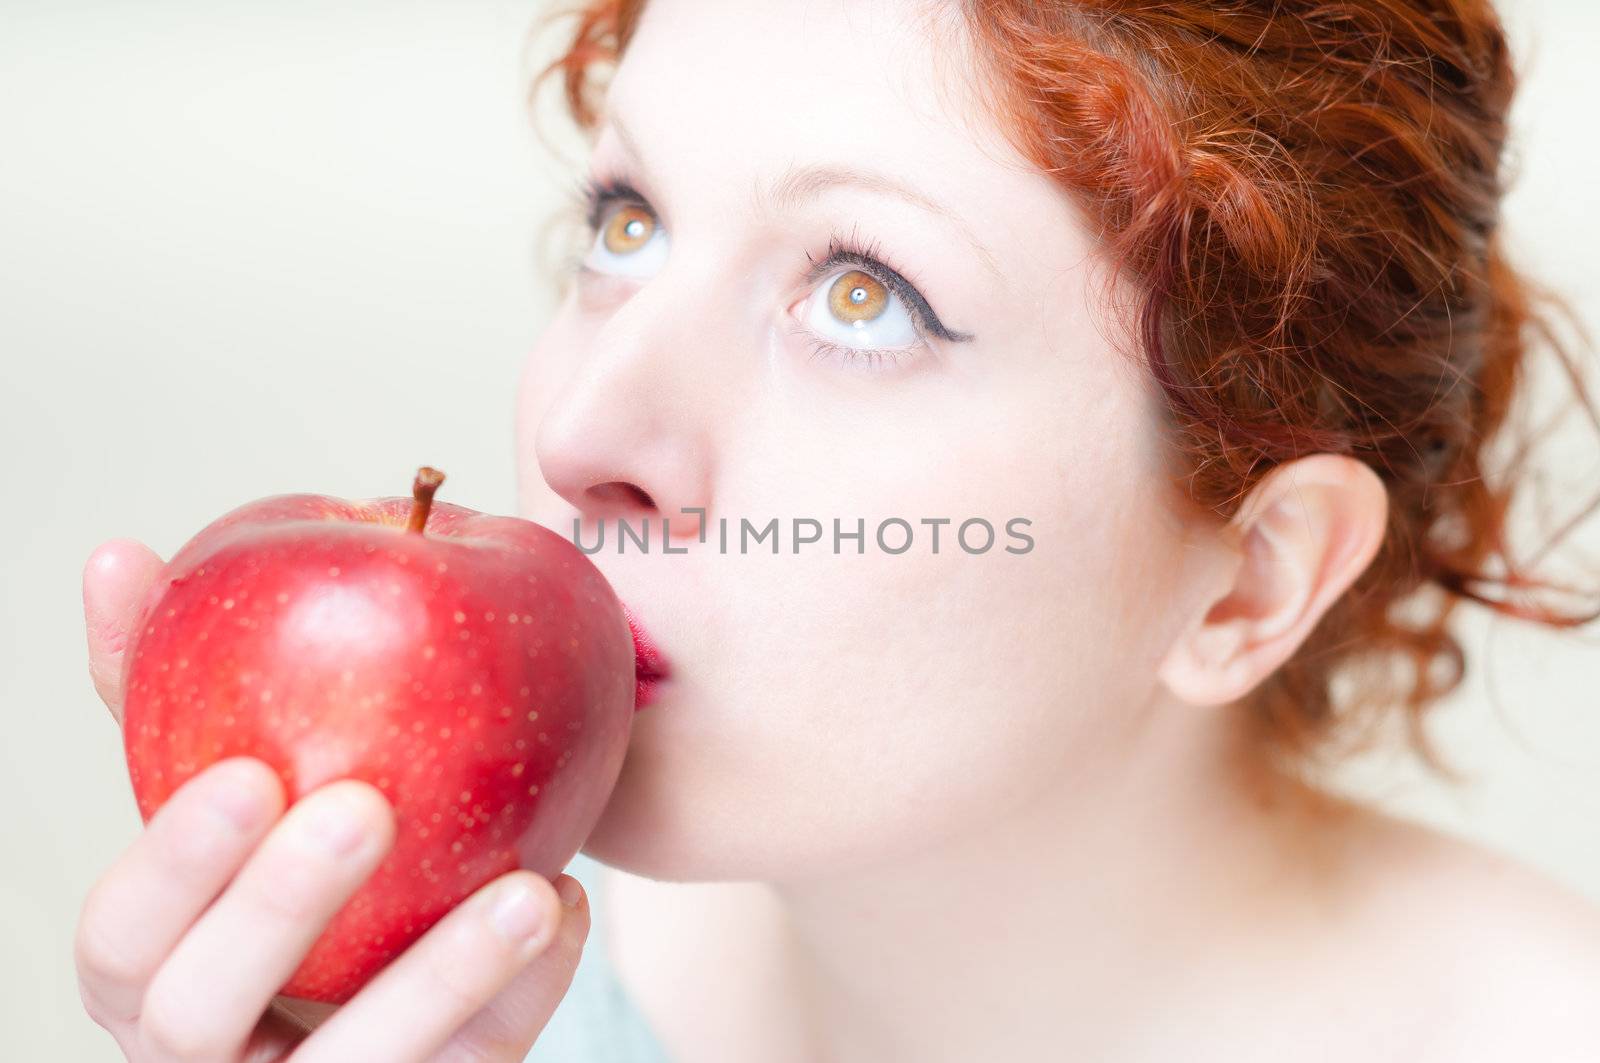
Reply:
x=858, y=295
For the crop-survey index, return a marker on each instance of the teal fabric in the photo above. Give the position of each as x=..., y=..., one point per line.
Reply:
x=596, y=1022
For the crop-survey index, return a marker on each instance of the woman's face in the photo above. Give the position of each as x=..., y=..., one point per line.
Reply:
x=827, y=704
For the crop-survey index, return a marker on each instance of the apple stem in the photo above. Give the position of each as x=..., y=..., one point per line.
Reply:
x=422, y=489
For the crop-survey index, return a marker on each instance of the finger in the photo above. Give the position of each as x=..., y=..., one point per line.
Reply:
x=421, y=999
x=141, y=908
x=116, y=578
x=514, y=1019
x=217, y=983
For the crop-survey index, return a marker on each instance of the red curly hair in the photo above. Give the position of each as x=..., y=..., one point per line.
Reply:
x=1306, y=197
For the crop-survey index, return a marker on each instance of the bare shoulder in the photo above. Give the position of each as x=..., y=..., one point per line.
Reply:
x=1510, y=958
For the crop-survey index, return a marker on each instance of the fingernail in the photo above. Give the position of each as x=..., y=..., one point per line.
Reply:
x=570, y=890
x=235, y=801
x=336, y=825
x=514, y=913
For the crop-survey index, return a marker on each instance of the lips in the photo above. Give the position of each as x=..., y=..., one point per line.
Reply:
x=649, y=668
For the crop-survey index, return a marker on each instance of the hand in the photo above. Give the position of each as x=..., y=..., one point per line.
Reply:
x=183, y=943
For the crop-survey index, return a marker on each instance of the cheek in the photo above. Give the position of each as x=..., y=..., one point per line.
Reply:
x=860, y=708
x=960, y=684
x=850, y=707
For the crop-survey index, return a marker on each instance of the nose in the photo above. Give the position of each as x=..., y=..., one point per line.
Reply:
x=627, y=436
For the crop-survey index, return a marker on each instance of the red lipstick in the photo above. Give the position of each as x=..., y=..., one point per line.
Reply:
x=649, y=667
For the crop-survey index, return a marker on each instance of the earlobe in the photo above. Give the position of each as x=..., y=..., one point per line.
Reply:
x=1298, y=542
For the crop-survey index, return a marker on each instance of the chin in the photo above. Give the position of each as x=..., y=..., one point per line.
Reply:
x=642, y=833
x=645, y=828
x=669, y=819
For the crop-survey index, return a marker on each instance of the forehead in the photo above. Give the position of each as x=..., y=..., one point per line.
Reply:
x=749, y=87
x=784, y=51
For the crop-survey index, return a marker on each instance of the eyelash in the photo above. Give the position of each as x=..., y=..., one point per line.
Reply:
x=597, y=195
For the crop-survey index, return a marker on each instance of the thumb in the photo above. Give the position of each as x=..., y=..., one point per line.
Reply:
x=116, y=578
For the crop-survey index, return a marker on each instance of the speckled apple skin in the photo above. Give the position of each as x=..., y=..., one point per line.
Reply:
x=479, y=674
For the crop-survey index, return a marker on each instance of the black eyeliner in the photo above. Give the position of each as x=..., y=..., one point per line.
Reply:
x=871, y=261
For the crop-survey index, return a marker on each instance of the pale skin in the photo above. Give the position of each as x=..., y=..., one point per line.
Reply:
x=918, y=807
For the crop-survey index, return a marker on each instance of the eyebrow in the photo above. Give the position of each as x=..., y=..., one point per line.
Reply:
x=801, y=184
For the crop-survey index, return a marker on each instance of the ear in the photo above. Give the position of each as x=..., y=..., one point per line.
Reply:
x=1299, y=540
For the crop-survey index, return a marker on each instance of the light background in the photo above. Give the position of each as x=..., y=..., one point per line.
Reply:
x=254, y=248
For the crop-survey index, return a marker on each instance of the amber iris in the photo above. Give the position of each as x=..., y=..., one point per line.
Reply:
x=628, y=230
x=857, y=297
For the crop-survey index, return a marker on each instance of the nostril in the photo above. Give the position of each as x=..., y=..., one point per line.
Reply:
x=620, y=492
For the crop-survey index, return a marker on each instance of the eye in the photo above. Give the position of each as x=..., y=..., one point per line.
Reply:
x=861, y=307
x=855, y=309
x=628, y=239
x=865, y=309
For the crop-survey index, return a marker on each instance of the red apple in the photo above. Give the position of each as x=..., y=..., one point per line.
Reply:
x=476, y=669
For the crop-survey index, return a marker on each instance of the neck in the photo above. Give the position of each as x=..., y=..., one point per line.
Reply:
x=1060, y=928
